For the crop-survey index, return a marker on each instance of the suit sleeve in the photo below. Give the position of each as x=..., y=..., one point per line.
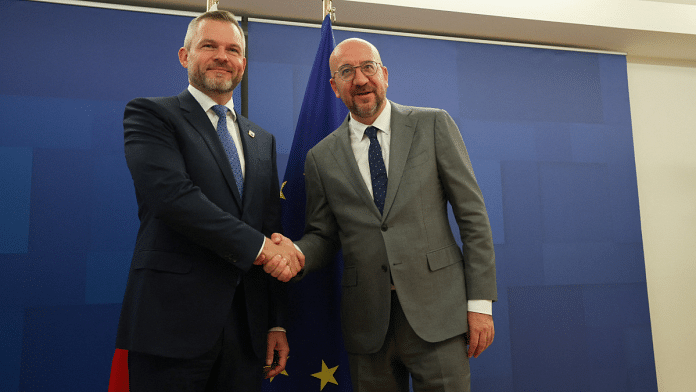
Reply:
x=166, y=192
x=278, y=298
x=465, y=196
x=320, y=241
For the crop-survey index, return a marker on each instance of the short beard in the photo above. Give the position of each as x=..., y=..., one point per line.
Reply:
x=220, y=86
x=365, y=112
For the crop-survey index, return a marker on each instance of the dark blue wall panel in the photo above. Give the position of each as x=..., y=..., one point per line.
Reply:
x=15, y=188
x=557, y=86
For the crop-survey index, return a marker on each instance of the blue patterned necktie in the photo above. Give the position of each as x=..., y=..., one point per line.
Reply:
x=229, y=146
x=378, y=171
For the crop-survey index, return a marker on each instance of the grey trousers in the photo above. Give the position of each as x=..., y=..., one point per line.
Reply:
x=441, y=366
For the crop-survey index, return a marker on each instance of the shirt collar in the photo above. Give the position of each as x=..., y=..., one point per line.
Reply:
x=357, y=129
x=206, y=102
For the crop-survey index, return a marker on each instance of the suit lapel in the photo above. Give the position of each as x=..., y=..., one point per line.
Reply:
x=403, y=128
x=194, y=114
x=343, y=153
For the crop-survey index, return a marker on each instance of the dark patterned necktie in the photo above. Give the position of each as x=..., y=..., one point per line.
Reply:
x=229, y=146
x=378, y=172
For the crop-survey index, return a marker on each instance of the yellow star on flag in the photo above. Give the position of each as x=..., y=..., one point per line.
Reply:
x=326, y=375
x=284, y=372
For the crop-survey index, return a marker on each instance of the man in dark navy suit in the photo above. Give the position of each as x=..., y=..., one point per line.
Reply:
x=198, y=314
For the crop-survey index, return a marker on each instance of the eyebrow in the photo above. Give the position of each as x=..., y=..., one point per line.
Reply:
x=360, y=63
x=212, y=41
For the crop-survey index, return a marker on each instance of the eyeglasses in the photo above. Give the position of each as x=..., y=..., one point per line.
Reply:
x=347, y=72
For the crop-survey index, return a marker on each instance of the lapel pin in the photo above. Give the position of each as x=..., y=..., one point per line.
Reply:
x=252, y=134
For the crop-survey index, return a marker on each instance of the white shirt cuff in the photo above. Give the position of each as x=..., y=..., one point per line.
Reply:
x=261, y=250
x=484, y=306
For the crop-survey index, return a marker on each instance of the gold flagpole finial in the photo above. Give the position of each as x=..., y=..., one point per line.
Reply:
x=328, y=8
x=213, y=5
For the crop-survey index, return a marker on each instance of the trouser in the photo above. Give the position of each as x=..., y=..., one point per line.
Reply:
x=441, y=366
x=230, y=366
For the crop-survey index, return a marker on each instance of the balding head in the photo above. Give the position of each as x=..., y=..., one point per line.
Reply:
x=352, y=45
x=363, y=88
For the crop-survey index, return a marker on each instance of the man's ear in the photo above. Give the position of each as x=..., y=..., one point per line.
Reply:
x=183, y=57
x=334, y=87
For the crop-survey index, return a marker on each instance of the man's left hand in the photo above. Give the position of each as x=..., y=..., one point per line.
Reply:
x=277, y=341
x=481, y=333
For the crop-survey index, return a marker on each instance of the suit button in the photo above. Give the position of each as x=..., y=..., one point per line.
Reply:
x=384, y=227
x=384, y=267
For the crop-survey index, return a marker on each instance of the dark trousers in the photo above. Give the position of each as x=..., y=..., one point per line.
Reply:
x=230, y=366
x=441, y=366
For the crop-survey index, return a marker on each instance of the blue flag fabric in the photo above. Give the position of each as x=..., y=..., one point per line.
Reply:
x=317, y=360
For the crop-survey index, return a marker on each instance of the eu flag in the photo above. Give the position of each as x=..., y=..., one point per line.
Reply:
x=317, y=359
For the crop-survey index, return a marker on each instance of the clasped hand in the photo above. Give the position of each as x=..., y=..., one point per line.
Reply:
x=280, y=258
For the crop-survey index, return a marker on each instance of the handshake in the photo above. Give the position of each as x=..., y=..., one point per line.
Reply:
x=280, y=258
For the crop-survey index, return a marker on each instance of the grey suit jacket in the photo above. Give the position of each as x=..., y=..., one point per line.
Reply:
x=412, y=240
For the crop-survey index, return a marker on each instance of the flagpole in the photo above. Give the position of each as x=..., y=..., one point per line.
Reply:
x=212, y=5
x=328, y=8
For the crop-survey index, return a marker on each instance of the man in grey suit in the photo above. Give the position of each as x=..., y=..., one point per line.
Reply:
x=378, y=188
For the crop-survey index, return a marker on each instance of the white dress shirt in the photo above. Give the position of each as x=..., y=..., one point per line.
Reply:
x=207, y=104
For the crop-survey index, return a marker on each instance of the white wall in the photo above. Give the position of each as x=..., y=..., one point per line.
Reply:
x=676, y=16
x=663, y=111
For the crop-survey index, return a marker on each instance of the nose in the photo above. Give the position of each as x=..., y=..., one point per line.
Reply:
x=221, y=54
x=359, y=78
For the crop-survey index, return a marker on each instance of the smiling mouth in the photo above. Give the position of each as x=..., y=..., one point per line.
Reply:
x=219, y=70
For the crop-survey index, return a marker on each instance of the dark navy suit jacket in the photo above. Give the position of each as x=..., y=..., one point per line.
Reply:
x=197, y=239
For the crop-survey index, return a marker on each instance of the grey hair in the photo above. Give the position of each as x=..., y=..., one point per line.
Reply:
x=222, y=16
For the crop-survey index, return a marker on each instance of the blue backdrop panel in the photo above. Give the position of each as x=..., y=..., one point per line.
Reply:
x=489, y=180
x=533, y=85
x=499, y=140
x=268, y=109
x=592, y=262
x=79, y=52
x=60, y=200
x=59, y=337
x=421, y=71
x=47, y=122
x=106, y=274
x=53, y=278
x=620, y=333
x=615, y=105
x=589, y=142
x=575, y=202
x=112, y=202
x=548, y=132
x=549, y=338
x=11, y=323
x=581, y=338
x=15, y=188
